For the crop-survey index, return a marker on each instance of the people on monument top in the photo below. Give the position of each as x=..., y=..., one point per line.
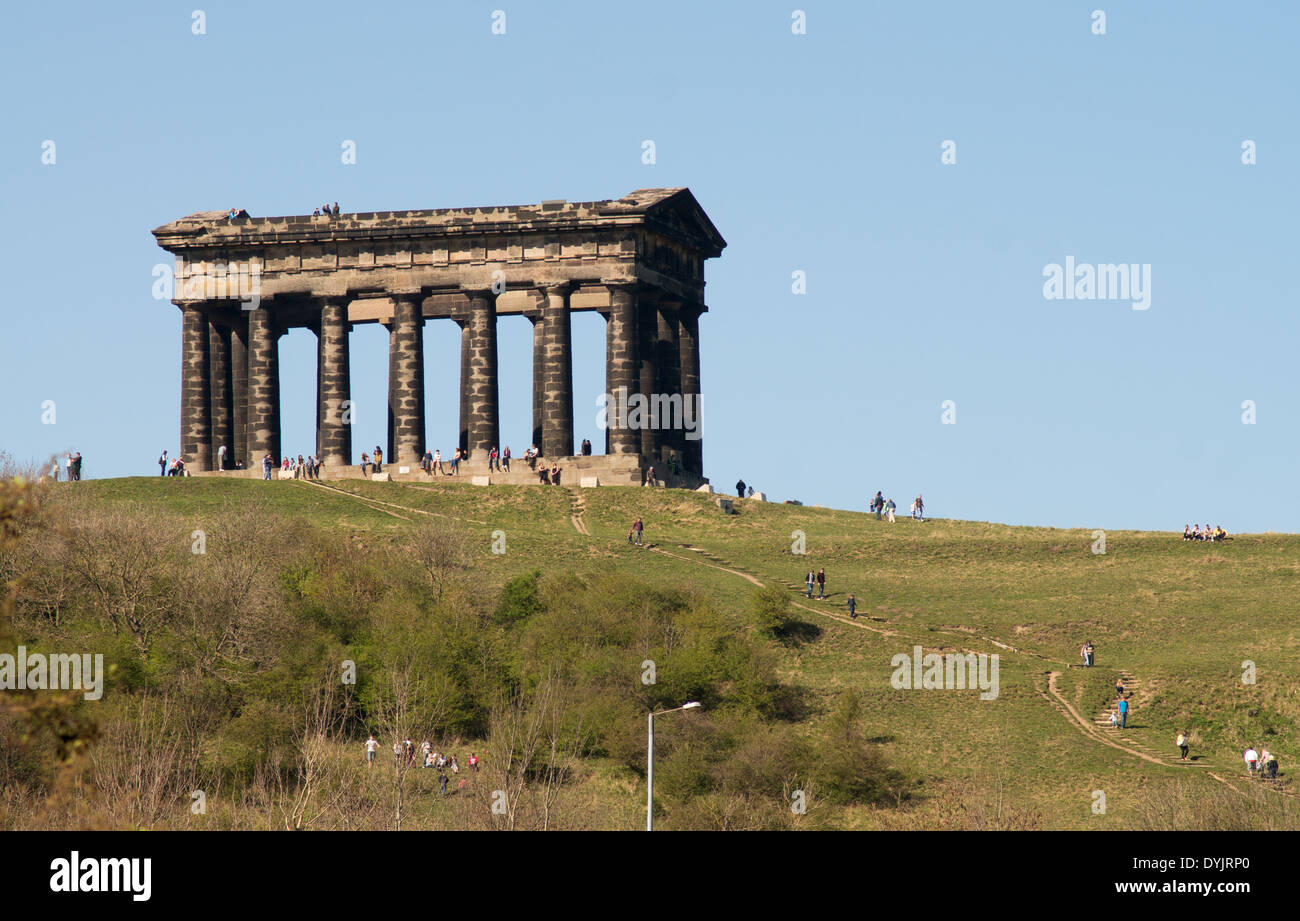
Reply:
x=504, y=463
x=494, y=460
x=530, y=457
x=379, y=459
x=555, y=474
x=586, y=447
x=543, y=474
x=365, y=463
x=650, y=477
x=436, y=464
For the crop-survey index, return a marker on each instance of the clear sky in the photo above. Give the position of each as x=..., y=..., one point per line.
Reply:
x=818, y=152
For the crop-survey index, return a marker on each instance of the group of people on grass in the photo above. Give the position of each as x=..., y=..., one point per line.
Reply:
x=1260, y=763
x=885, y=508
x=71, y=463
x=1195, y=533
x=404, y=755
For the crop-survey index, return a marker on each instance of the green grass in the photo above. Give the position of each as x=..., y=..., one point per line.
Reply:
x=1182, y=618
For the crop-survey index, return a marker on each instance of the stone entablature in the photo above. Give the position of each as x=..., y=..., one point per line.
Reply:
x=242, y=282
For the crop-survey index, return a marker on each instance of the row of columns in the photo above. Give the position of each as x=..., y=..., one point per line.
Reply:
x=230, y=379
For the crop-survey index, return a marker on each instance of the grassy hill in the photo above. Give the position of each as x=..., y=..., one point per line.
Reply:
x=1178, y=620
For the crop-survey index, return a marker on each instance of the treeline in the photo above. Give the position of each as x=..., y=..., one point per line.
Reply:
x=250, y=655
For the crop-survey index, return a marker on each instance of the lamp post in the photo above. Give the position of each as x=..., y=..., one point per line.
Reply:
x=650, y=763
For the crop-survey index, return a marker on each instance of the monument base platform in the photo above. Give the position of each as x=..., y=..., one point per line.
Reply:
x=605, y=469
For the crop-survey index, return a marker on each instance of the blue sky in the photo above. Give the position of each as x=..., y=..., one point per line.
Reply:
x=817, y=152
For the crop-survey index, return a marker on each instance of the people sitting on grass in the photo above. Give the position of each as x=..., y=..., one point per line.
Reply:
x=1213, y=534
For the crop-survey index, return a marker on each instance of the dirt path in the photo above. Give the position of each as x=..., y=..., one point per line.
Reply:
x=579, y=508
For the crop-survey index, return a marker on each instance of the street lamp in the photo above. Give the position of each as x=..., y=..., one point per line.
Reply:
x=650, y=763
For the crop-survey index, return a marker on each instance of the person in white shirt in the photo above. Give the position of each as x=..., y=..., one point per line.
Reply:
x=371, y=747
x=1251, y=758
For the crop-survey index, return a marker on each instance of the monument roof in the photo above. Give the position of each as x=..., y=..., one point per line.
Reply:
x=673, y=212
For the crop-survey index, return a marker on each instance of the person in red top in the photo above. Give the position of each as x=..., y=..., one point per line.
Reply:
x=473, y=761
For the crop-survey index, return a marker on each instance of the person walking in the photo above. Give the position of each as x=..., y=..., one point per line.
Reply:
x=853, y=607
x=1123, y=714
x=920, y=508
x=1181, y=742
x=637, y=528
x=1090, y=653
x=1268, y=764
x=372, y=746
x=889, y=510
x=821, y=584
x=740, y=489
x=812, y=579
x=1251, y=757
x=878, y=504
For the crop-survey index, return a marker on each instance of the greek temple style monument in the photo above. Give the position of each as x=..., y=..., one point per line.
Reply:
x=243, y=282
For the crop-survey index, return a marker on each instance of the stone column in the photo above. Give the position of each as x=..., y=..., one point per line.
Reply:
x=539, y=378
x=466, y=346
x=688, y=338
x=239, y=388
x=263, y=387
x=406, y=381
x=648, y=376
x=334, y=365
x=196, y=408
x=221, y=388
x=669, y=370
x=557, y=428
x=622, y=370
x=484, y=432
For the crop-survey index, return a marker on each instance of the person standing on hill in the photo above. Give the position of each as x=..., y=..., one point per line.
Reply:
x=811, y=580
x=1251, y=757
x=162, y=463
x=920, y=508
x=266, y=467
x=1268, y=764
x=1181, y=742
x=740, y=489
x=637, y=528
x=878, y=504
x=889, y=510
x=372, y=746
x=1123, y=714
x=853, y=607
x=821, y=584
